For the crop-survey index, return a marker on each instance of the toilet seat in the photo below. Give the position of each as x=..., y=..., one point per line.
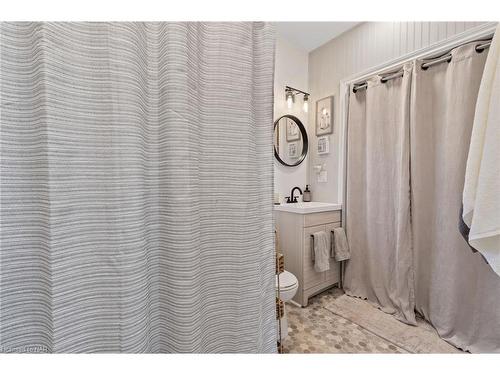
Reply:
x=287, y=280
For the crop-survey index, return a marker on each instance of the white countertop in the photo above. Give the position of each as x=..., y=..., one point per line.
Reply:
x=308, y=207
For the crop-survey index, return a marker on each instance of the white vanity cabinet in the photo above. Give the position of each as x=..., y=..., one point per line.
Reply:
x=294, y=236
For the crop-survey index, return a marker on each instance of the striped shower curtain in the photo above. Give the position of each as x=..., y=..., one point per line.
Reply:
x=136, y=187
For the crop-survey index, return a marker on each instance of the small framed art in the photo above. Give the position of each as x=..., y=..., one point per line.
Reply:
x=323, y=145
x=293, y=150
x=324, y=116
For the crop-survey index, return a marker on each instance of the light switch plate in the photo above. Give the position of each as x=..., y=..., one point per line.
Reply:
x=322, y=176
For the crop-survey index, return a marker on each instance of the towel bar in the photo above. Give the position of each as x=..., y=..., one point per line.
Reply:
x=312, y=247
x=341, y=276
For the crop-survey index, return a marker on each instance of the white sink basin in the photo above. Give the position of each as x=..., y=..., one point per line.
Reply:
x=308, y=207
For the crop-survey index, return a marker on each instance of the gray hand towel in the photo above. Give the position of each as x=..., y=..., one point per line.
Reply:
x=340, y=248
x=321, y=252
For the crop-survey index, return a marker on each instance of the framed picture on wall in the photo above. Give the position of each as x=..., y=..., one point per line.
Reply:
x=292, y=131
x=323, y=145
x=293, y=151
x=324, y=116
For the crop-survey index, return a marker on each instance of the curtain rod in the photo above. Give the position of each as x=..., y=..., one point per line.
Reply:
x=383, y=79
x=447, y=57
x=479, y=48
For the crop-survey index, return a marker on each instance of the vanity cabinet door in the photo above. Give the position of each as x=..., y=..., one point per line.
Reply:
x=333, y=274
x=311, y=277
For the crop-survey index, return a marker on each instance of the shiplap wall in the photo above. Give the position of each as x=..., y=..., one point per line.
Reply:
x=367, y=45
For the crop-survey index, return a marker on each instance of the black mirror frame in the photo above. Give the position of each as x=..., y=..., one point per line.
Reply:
x=305, y=142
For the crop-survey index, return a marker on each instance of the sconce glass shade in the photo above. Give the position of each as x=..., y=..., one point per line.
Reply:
x=289, y=99
x=306, y=103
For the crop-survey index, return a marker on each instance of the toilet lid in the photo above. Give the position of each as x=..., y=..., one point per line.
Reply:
x=287, y=280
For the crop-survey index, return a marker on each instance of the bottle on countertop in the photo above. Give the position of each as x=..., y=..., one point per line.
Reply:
x=277, y=198
x=306, y=197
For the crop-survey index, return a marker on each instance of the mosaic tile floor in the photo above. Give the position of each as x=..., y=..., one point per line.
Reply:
x=315, y=329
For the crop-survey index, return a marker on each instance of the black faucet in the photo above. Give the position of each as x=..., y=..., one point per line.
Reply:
x=291, y=198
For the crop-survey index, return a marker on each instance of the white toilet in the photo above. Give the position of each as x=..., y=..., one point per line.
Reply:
x=288, y=285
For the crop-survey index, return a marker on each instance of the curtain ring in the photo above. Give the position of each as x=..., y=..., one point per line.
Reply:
x=479, y=48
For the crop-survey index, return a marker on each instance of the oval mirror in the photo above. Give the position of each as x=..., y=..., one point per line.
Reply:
x=290, y=141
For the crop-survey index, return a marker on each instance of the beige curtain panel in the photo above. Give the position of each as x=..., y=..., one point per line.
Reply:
x=378, y=196
x=428, y=267
x=456, y=290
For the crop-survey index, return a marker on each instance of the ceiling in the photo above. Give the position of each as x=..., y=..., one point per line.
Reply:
x=311, y=35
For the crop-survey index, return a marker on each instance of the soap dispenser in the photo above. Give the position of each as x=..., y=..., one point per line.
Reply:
x=306, y=197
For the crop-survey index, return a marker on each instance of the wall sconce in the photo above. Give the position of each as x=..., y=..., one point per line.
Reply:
x=306, y=103
x=290, y=98
x=290, y=93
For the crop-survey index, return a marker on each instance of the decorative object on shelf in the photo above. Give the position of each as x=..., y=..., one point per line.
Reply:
x=280, y=263
x=323, y=145
x=324, y=116
x=290, y=94
x=280, y=309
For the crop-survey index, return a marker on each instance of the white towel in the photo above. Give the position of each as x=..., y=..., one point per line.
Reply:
x=481, y=195
x=340, y=248
x=321, y=252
